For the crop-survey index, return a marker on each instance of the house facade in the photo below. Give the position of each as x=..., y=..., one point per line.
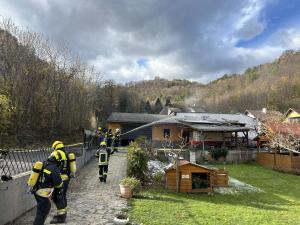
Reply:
x=292, y=116
x=198, y=129
x=130, y=121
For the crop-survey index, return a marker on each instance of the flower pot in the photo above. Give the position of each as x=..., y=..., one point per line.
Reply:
x=126, y=191
x=121, y=220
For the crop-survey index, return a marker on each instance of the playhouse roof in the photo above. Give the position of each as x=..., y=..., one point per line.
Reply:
x=185, y=162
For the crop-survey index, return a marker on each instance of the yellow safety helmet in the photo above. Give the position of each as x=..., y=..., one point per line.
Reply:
x=57, y=145
x=99, y=128
x=117, y=130
x=103, y=143
x=58, y=155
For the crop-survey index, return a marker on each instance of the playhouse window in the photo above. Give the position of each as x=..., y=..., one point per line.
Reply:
x=200, y=180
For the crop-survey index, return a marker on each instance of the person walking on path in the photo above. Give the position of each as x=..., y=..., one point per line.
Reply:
x=116, y=140
x=108, y=137
x=103, y=153
x=67, y=170
x=48, y=179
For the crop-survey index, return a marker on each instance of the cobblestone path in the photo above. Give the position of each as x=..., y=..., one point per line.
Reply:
x=91, y=202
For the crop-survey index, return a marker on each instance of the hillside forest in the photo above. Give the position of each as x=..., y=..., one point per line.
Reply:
x=48, y=92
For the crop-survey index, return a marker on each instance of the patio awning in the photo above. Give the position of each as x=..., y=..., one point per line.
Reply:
x=218, y=128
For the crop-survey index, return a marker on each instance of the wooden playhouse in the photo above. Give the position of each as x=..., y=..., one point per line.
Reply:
x=194, y=178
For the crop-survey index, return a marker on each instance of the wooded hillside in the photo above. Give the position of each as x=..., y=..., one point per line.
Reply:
x=44, y=92
x=274, y=85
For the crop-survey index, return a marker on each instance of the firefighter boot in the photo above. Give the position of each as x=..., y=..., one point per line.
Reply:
x=60, y=218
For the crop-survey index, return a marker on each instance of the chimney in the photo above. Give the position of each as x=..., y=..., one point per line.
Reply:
x=264, y=110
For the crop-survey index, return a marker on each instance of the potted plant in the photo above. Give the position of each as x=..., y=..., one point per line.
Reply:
x=121, y=218
x=129, y=185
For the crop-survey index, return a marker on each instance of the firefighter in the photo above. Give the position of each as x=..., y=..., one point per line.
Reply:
x=108, y=137
x=67, y=171
x=116, y=140
x=46, y=179
x=99, y=136
x=103, y=153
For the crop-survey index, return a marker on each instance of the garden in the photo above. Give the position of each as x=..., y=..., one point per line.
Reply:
x=256, y=196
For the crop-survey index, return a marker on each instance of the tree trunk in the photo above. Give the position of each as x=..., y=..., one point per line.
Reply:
x=177, y=174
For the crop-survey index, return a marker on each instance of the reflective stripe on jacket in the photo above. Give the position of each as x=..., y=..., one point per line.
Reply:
x=45, y=192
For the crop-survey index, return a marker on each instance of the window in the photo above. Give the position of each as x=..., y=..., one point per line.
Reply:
x=167, y=133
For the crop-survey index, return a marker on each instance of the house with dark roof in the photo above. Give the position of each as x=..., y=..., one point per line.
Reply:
x=199, y=129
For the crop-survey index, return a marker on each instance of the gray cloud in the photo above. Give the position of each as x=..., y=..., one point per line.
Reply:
x=179, y=39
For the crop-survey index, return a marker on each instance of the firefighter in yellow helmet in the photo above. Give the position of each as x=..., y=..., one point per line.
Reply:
x=67, y=172
x=116, y=140
x=47, y=178
x=103, y=153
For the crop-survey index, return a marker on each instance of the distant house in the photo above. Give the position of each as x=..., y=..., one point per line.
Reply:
x=292, y=116
x=262, y=116
x=195, y=178
x=129, y=121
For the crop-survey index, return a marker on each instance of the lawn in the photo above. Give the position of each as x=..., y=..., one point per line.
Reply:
x=279, y=203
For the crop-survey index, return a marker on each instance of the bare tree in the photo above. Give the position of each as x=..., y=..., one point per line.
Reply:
x=173, y=149
x=282, y=135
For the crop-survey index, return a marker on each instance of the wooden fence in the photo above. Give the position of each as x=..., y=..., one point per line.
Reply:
x=281, y=162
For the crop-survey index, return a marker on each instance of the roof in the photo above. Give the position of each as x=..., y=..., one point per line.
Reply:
x=261, y=116
x=206, y=122
x=230, y=118
x=290, y=110
x=285, y=129
x=185, y=162
x=221, y=128
x=134, y=117
x=184, y=109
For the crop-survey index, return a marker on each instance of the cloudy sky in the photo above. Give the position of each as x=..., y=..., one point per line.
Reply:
x=131, y=40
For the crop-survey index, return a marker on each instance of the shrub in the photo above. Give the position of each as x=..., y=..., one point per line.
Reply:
x=137, y=162
x=158, y=178
x=218, y=153
x=132, y=182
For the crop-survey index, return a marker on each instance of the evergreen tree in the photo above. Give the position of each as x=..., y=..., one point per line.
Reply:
x=148, y=107
x=158, y=106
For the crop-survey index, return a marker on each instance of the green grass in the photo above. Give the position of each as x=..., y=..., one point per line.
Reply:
x=278, y=204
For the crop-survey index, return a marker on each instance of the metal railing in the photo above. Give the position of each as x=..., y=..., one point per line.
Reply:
x=16, y=161
x=13, y=162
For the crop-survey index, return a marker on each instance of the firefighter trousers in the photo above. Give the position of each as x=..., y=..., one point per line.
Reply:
x=43, y=208
x=60, y=196
x=103, y=172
